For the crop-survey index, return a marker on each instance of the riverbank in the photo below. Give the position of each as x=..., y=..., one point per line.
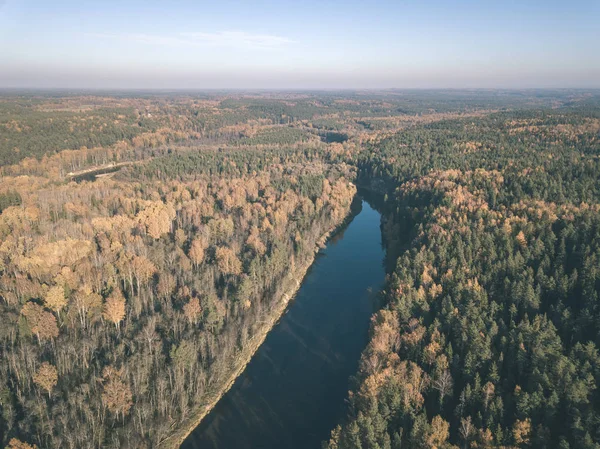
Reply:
x=292, y=283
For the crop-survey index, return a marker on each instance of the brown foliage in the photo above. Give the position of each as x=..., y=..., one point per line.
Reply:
x=117, y=396
x=522, y=431
x=143, y=269
x=192, y=310
x=157, y=219
x=46, y=377
x=196, y=252
x=440, y=431
x=254, y=241
x=41, y=323
x=521, y=239
x=413, y=334
x=227, y=261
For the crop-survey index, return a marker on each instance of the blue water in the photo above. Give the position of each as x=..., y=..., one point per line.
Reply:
x=292, y=392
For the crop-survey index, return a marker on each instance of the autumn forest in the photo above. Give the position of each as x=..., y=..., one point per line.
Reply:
x=150, y=240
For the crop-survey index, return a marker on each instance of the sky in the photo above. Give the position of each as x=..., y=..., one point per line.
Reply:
x=309, y=44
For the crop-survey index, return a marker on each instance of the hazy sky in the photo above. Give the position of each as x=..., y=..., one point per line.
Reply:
x=299, y=44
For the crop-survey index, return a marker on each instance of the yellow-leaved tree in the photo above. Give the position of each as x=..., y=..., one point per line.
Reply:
x=46, y=377
x=55, y=299
x=114, y=308
x=18, y=444
x=227, y=261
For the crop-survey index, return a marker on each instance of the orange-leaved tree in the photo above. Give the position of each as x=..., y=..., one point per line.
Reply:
x=18, y=444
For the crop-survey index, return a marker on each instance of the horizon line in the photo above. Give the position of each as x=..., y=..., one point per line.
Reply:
x=292, y=89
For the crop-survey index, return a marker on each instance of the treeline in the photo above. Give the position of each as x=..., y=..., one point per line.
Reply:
x=26, y=131
x=491, y=331
x=36, y=125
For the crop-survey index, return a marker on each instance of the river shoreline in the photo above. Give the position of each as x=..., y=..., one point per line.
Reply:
x=293, y=283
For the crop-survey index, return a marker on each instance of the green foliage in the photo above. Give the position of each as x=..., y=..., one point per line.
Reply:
x=277, y=136
x=8, y=199
x=27, y=129
x=498, y=287
x=491, y=328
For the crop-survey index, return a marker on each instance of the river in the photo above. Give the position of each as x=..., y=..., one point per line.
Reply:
x=293, y=391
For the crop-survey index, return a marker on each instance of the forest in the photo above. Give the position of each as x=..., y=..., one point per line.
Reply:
x=490, y=331
x=146, y=239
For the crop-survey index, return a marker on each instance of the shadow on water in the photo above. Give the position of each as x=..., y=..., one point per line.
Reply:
x=292, y=393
